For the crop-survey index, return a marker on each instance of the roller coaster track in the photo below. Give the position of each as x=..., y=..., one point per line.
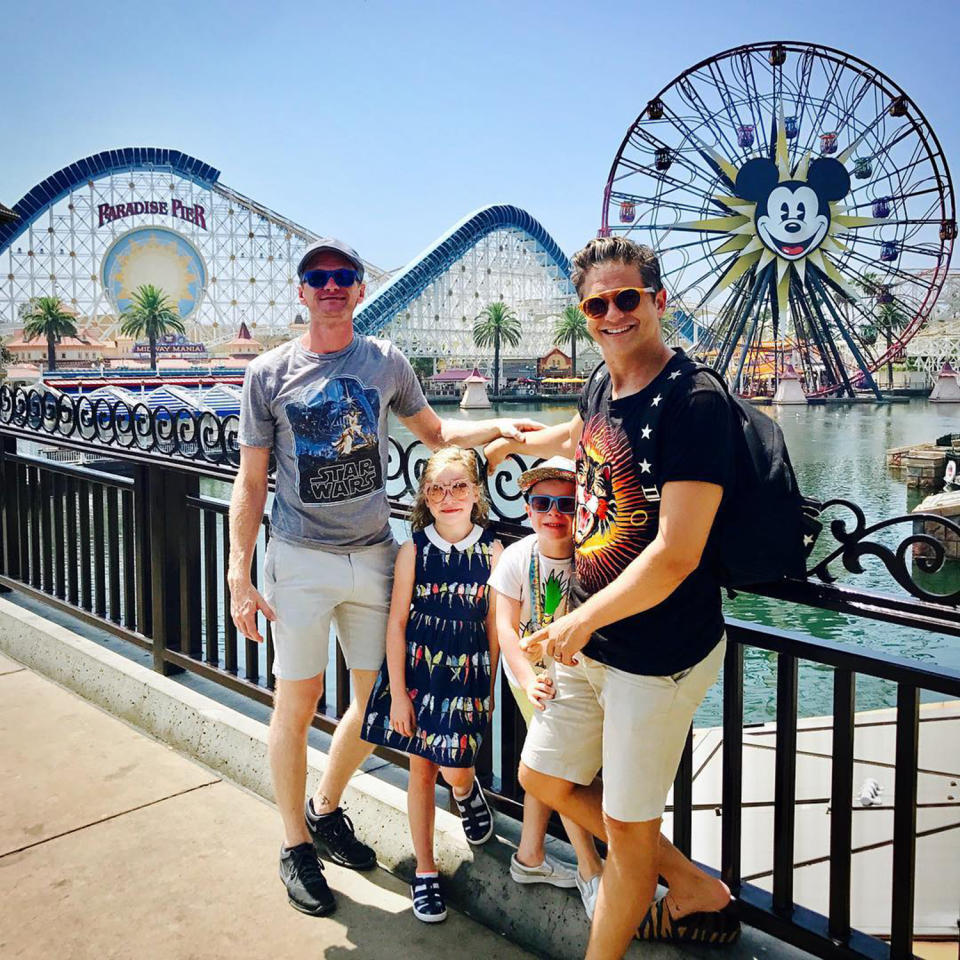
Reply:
x=48, y=192
x=384, y=304
x=439, y=257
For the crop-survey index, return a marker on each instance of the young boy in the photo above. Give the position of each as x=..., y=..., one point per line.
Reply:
x=543, y=559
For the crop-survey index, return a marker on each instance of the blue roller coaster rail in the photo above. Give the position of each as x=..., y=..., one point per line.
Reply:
x=59, y=184
x=427, y=266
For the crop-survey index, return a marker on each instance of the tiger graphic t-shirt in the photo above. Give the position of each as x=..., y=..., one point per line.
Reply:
x=679, y=427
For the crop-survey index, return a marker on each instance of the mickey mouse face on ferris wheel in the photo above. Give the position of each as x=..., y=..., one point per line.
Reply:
x=792, y=217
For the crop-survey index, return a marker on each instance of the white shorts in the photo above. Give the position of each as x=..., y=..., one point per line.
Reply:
x=632, y=726
x=309, y=589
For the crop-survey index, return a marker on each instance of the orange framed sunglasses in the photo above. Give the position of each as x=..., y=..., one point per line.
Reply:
x=627, y=299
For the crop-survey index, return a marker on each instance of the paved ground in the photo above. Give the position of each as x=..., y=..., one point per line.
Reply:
x=114, y=846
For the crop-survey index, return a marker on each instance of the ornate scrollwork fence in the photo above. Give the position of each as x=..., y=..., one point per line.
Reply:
x=115, y=426
x=140, y=550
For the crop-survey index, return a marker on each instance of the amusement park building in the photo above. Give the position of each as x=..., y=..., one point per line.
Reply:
x=939, y=340
x=94, y=231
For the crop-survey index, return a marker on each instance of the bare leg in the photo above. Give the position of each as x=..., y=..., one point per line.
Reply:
x=627, y=886
x=347, y=751
x=421, y=811
x=588, y=860
x=582, y=805
x=460, y=779
x=530, y=851
x=691, y=890
x=294, y=706
x=536, y=814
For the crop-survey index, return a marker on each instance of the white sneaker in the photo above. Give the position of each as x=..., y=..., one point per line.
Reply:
x=555, y=872
x=588, y=892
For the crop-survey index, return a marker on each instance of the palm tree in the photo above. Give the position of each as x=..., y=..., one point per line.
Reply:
x=47, y=317
x=151, y=314
x=6, y=358
x=888, y=317
x=494, y=323
x=571, y=326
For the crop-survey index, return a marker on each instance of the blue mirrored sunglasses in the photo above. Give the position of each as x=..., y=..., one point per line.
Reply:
x=342, y=277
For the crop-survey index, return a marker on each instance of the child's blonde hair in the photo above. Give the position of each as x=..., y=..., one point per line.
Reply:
x=420, y=515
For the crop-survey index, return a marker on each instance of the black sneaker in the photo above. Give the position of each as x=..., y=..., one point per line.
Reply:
x=475, y=815
x=428, y=904
x=335, y=840
x=302, y=874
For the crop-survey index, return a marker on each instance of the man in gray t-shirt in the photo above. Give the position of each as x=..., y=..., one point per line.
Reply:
x=325, y=417
x=320, y=404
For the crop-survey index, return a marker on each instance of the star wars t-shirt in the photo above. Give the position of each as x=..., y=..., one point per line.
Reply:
x=677, y=428
x=325, y=417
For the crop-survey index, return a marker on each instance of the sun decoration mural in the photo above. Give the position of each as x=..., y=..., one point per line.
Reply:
x=801, y=206
x=154, y=256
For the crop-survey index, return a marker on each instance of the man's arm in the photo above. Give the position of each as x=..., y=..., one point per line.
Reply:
x=687, y=511
x=403, y=582
x=558, y=441
x=427, y=427
x=246, y=512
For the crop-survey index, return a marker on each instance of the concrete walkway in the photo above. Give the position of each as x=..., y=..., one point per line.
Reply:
x=113, y=845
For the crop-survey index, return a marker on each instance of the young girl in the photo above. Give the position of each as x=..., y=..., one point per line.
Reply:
x=432, y=698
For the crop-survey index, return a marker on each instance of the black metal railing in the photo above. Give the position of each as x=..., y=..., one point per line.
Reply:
x=134, y=547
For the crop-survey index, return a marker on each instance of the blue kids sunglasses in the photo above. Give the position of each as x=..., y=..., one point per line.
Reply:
x=541, y=503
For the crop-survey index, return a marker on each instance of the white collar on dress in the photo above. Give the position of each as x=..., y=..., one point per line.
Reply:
x=468, y=541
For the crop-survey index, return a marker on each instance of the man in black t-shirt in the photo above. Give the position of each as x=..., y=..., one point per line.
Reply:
x=644, y=641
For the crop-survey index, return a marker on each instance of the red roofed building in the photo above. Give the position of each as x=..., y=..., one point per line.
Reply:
x=242, y=347
x=449, y=383
x=83, y=350
x=555, y=363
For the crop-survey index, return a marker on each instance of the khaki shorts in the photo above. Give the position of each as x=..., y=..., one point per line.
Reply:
x=632, y=726
x=311, y=589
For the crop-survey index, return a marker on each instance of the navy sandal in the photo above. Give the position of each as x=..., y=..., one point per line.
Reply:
x=476, y=815
x=428, y=904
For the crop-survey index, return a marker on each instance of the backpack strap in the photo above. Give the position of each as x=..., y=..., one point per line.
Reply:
x=757, y=455
x=590, y=385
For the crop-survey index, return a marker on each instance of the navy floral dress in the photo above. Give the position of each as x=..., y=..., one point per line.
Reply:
x=448, y=654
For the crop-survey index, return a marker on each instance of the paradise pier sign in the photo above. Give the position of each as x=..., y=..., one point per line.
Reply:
x=192, y=213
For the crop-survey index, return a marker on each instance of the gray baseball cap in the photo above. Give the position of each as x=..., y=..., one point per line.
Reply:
x=336, y=246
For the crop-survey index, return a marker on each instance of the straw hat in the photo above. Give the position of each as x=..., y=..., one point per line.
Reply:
x=556, y=468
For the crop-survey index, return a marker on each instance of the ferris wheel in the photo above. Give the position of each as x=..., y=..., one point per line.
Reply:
x=802, y=210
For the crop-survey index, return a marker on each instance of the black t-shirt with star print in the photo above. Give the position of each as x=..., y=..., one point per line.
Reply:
x=679, y=427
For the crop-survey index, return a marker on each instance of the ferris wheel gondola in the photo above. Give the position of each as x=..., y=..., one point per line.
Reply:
x=799, y=202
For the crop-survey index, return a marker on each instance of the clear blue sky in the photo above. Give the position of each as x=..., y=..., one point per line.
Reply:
x=385, y=122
